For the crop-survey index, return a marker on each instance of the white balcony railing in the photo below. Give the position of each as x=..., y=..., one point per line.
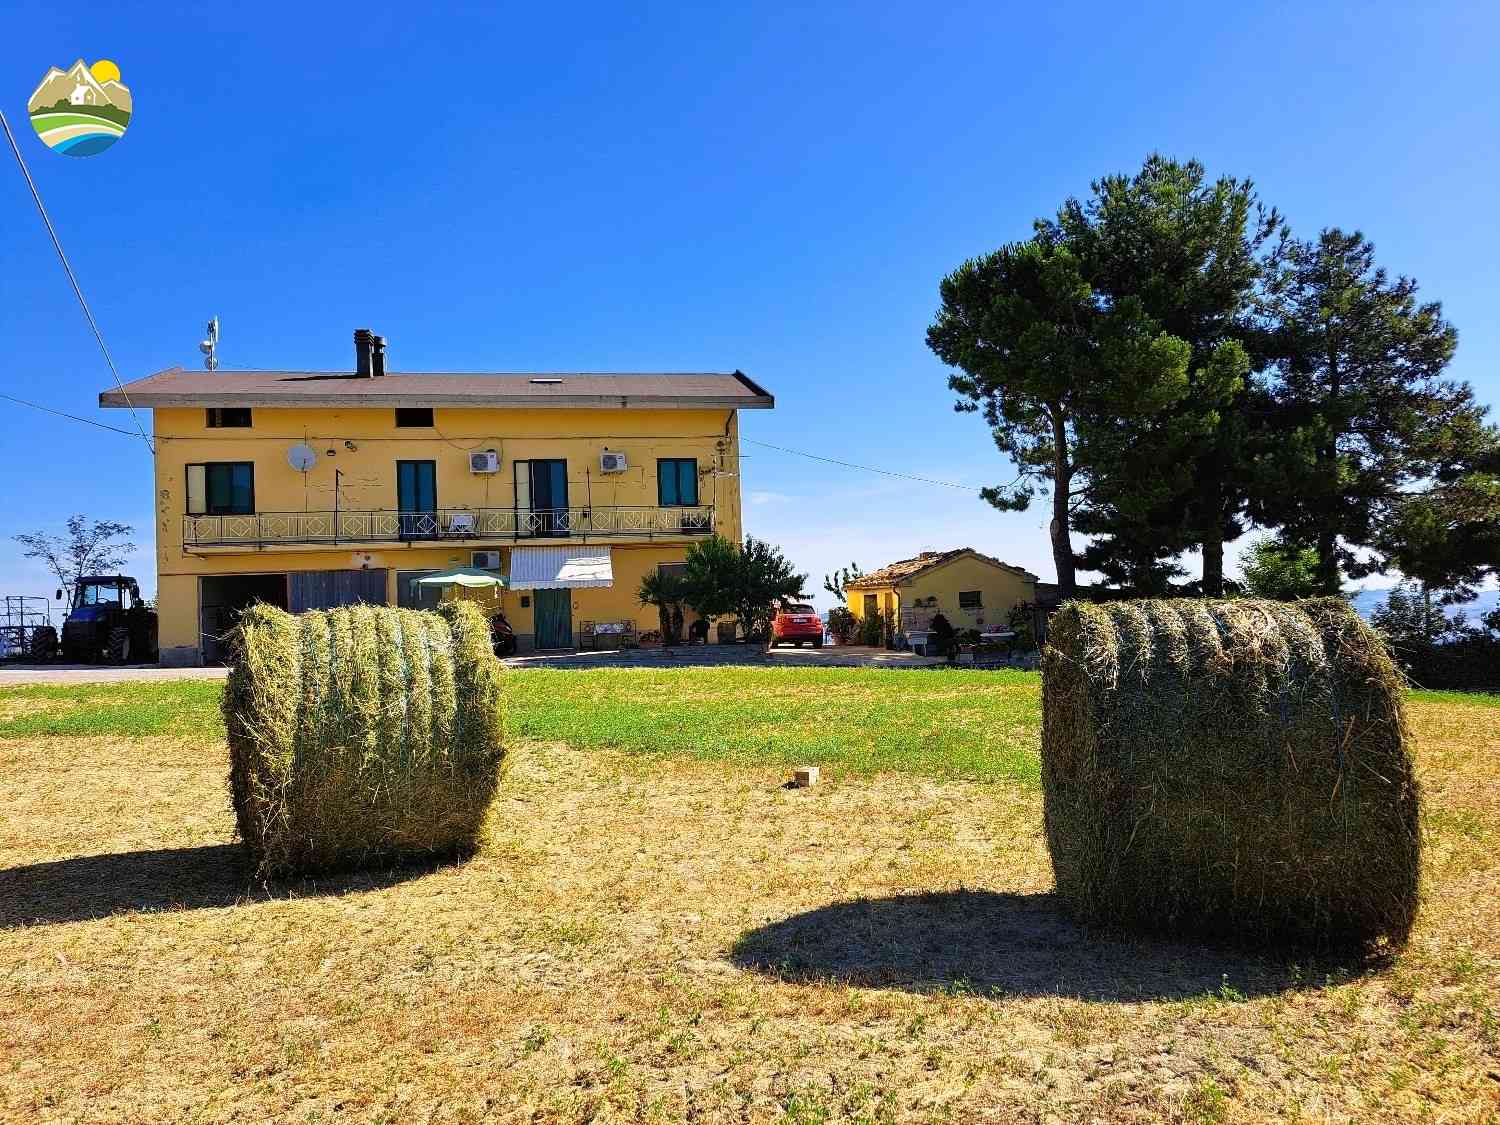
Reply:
x=263, y=529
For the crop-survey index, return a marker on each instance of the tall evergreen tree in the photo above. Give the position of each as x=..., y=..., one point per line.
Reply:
x=1042, y=356
x=1191, y=252
x=1363, y=416
x=1447, y=536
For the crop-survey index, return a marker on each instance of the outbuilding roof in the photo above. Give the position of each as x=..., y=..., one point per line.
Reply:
x=903, y=571
x=551, y=391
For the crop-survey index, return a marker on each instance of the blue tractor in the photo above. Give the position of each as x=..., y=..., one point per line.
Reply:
x=109, y=623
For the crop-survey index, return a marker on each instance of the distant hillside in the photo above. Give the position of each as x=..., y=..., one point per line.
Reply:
x=1367, y=601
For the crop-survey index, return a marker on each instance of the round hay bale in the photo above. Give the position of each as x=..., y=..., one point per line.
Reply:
x=1235, y=769
x=362, y=735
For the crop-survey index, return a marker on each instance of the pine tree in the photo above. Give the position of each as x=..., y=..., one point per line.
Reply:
x=1363, y=416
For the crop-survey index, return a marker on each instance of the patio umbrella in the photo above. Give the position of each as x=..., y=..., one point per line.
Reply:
x=465, y=576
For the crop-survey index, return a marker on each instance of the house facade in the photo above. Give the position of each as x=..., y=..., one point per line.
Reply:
x=972, y=590
x=314, y=489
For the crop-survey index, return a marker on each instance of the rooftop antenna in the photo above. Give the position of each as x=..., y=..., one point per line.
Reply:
x=209, y=347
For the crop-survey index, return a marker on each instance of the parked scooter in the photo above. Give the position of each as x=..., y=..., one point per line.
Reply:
x=502, y=636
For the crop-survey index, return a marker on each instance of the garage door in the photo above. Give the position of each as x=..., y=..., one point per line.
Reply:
x=325, y=589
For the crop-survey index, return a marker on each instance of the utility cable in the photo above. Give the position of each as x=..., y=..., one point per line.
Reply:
x=77, y=290
x=70, y=417
x=862, y=468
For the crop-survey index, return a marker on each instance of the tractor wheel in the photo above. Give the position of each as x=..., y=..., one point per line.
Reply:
x=43, y=644
x=119, y=644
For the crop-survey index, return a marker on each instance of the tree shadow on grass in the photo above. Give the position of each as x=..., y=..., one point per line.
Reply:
x=165, y=879
x=1011, y=944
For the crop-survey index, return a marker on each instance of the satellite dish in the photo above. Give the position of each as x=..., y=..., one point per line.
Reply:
x=302, y=457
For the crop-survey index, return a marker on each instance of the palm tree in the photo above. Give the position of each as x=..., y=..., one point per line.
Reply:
x=665, y=592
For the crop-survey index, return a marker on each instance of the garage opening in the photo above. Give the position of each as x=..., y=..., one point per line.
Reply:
x=221, y=600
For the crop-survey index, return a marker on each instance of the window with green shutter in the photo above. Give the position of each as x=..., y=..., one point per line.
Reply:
x=221, y=488
x=677, y=482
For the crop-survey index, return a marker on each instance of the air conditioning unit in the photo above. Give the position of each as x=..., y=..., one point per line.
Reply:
x=612, y=462
x=488, y=462
x=486, y=560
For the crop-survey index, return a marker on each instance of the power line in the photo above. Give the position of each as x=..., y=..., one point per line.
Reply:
x=862, y=468
x=70, y=417
x=77, y=290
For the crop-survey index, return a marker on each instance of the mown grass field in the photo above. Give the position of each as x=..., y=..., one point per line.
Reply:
x=658, y=930
x=938, y=723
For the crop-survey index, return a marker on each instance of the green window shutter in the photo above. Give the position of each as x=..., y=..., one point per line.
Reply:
x=677, y=482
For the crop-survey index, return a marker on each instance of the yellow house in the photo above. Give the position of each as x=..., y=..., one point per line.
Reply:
x=310, y=489
x=973, y=591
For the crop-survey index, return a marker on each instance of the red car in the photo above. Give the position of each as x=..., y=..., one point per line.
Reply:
x=795, y=624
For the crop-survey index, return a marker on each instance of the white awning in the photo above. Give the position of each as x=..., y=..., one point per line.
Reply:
x=560, y=568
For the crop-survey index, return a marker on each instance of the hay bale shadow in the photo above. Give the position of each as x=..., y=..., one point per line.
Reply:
x=1001, y=943
x=212, y=876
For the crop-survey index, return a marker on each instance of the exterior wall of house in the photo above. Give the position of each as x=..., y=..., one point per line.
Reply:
x=886, y=600
x=367, y=483
x=999, y=590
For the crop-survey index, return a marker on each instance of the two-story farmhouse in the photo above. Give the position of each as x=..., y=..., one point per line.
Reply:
x=310, y=489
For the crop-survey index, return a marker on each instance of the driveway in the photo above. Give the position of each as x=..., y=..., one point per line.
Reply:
x=696, y=656
x=13, y=675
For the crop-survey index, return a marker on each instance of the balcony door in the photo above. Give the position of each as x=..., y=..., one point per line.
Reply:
x=542, y=497
x=416, y=498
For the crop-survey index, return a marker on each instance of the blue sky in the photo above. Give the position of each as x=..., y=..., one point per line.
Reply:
x=648, y=187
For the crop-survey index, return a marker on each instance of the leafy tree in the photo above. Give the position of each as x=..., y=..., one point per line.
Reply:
x=1283, y=571
x=1189, y=253
x=748, y=581
x=88, y=548
x=1363, y=414
x=1043, y=357
x=710, y=576
x=838, y=582
x=666, y=591
x=765, y=579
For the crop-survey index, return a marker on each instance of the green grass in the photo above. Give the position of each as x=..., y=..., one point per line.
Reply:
x=938, y=723
x=1472, y=698
x=172, y=707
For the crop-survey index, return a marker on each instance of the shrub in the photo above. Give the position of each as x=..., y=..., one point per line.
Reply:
x=872, y=627
x=361, y=735
x=842, y=624
x=1238, y=769
x=941, y=637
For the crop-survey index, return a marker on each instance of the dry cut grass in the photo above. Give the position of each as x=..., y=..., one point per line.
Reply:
x=653, y=940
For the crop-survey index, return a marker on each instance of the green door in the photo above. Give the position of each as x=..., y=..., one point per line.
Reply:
x=554, y=618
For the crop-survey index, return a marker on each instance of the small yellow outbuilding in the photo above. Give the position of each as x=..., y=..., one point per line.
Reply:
x=972, y=590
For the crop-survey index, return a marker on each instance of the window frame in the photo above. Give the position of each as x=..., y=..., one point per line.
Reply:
x=214, y=418
x=430, y=424
x=978, y=599
x=208, y=508
x=677, y=463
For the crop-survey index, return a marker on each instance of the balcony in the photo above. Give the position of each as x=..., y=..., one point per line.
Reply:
x=445, y=525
